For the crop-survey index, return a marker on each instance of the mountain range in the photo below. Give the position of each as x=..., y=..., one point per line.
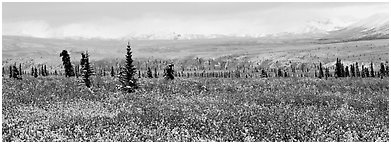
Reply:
x=373, y=27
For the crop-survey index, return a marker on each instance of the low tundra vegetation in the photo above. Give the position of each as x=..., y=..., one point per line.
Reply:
x=196, y=109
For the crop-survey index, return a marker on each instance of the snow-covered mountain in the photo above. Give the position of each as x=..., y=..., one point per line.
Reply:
x=324, y=26
x=373, y=27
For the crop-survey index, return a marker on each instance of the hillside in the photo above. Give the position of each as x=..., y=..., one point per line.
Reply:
x=33, y=51
x=373, y=27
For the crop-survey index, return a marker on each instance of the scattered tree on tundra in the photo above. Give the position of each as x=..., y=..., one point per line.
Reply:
x=87, y=70
x=112, y=73
x=126, y=76
x=16, y=73
x=149, y=73
x=66, y=60
x=169, y=72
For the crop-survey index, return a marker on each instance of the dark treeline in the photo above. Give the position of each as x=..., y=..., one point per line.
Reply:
x=199, y=67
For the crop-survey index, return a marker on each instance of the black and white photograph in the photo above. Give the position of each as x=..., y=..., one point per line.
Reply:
x=195, y=71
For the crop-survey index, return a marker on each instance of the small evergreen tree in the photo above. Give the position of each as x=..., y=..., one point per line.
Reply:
x=169, y=72
x=32, y=71
x=279, y=74
x=20, y=69
x=156, y=75
x=82, y=60
x=66, y=60
x=45, y=71
x=337, y=69
x=129, y=83
x=87, y=71
x=42, y=71
x=320, y=70
x=112, y=72
x=35, y=73
x=149, y=73
x=15, y=73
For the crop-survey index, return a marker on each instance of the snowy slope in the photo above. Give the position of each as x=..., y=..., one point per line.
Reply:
x=373, y=27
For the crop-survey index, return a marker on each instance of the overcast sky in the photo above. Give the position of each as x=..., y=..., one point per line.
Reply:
x=116, y=20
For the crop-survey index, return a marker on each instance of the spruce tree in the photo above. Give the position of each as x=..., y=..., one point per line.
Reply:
x=45, y=71
x=149, y=73
x=112, y=72
x=337, y=69
x=15, y=73
x=169, y=72
x=35, y=73
x=87, y=71
x=20, y=69
x=66, y=60
x=156, y=75
x=279, y=73
x=42, y=71
x=126, y=76
x=320, y=70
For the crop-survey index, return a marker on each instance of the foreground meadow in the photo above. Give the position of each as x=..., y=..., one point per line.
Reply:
x=199, y=109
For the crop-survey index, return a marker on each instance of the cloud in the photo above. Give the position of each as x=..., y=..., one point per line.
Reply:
x=28, y=28
x=285, y=18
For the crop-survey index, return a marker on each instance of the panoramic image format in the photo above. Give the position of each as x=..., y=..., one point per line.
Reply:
x=195, y=72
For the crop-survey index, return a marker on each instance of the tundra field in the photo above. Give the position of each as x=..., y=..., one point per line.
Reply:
x=197, y=109
x=218, y=93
